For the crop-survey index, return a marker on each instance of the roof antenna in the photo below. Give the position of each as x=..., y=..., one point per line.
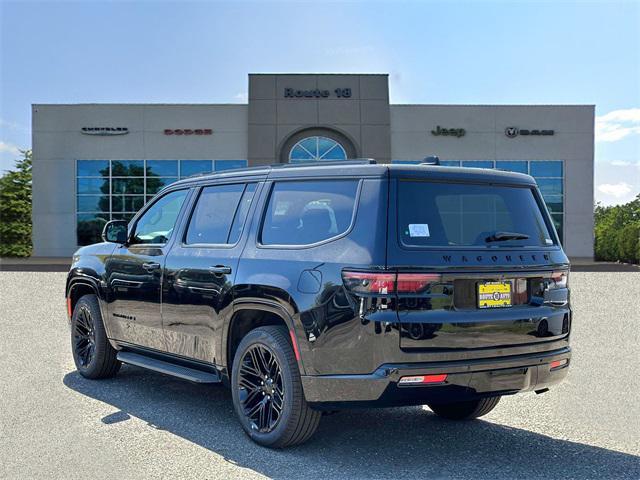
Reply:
x=431, y=160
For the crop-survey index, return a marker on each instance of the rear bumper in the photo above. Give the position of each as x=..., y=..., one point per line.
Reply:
x=465, y=380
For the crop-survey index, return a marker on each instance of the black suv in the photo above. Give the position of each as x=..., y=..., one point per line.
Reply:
x=324, y=286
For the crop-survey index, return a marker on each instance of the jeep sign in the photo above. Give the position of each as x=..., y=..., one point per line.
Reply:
x=451, y=132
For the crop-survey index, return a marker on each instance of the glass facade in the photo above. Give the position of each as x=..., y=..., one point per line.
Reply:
x=549, y=175
x=117, y=189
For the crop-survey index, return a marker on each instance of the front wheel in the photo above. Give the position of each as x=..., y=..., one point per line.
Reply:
x=267, y=391
x=92, y=353
x=465, y=410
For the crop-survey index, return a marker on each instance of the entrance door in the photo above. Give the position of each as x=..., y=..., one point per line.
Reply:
x=200, y=270
x=134, y=274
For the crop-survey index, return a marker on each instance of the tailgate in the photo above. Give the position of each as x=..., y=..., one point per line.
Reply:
x=478, y=262
x=483, y=310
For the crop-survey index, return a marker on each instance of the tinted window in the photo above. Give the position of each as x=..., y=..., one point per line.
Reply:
x=512, y=166
x=547, y=168
x=127, y=168
x=92, y=185
x=478, y=164
x=157, y=223
x=162, y=168
x=90, y=226
x=438, y=214
x=193, y=167
x=214, y=213
x=301, y=213
x=93, y=168
x=550, y=186
x=229, y=164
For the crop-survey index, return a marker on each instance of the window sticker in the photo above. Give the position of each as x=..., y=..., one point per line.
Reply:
x=418, y=229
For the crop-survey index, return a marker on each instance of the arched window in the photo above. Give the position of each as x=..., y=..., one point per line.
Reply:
x=314, y=149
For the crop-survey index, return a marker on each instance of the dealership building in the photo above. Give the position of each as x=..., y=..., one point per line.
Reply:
x=95, y=162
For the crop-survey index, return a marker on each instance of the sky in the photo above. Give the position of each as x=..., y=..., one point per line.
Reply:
x=501, y=52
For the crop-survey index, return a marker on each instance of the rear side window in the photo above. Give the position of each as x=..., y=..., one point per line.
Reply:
x=439, y=214
x=219, y=214
x=306, y=212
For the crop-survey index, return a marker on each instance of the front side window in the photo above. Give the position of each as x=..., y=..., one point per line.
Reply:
x=156, y=225
x=439, y=214
x=306, y=212
x=219, y=214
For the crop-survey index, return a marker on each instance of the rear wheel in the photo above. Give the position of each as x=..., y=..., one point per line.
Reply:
x=267, y=391
x=92, y=353
x=465, y=410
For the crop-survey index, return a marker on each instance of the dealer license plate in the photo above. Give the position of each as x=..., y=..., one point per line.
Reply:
x=494, y=294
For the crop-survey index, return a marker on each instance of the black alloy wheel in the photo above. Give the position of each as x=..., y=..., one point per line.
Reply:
x=261, y=389
x=267, y=390
x=92, y=353
x=84, y=337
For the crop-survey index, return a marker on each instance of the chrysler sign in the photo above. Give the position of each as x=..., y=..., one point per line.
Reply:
x=103, y=131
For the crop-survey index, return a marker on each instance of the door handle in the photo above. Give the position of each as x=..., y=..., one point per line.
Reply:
x=150, y=266
x=219, y=270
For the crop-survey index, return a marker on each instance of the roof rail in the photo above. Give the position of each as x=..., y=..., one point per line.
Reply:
x=326, y=163
x=241, y=169
x=431, y=160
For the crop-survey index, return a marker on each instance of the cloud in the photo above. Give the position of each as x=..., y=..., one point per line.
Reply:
x=242, y=96
x=625, y=163
x=617, y=190
x=9, y=148
x=616, y=125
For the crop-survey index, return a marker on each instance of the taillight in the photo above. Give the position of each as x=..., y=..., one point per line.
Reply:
x=559, y=279
x=388, y=283
x=416, y=282
x=369, y=282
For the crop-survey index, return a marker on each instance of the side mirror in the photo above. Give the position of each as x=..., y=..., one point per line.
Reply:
x=115, y=231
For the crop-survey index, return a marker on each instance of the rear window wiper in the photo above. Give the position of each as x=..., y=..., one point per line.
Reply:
x=502, y=236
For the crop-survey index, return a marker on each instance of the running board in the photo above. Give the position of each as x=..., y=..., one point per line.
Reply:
x=167, y=368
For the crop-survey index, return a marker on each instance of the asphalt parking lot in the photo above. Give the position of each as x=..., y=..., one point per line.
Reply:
x=55, y=424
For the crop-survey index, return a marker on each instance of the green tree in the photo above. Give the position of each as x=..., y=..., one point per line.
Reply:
x=15, y=209
x=617, y=232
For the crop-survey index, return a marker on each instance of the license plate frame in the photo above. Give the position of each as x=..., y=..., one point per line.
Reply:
x=495, y=294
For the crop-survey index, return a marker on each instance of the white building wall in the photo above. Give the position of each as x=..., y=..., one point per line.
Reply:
x=58, y=143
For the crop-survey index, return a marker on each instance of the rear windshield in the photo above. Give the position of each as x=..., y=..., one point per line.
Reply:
x=456, y=214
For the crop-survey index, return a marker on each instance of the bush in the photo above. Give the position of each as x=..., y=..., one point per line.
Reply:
x=15, y=209
x=617, y=232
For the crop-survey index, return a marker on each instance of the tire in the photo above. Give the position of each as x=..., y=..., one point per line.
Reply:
x=294, y=422
x=92, y=353
x=465, y=410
